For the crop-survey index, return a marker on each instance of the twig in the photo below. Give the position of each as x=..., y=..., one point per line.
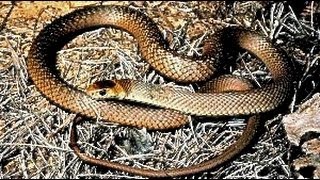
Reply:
x=3, y=24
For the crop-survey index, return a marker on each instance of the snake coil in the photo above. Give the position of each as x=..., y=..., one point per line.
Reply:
x=154, y=49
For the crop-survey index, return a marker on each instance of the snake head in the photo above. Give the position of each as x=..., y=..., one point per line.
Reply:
x=106, y=89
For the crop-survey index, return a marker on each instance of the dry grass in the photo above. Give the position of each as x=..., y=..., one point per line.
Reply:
x=29, y=147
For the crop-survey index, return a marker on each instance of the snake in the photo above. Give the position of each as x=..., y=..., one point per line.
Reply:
x=155, y=50
x=112, y=89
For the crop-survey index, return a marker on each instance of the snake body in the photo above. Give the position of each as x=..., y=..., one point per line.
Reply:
x=119, y=89
x=155, y=50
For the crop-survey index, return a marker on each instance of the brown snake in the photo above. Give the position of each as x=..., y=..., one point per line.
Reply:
x=222, y=84
x=155, y=50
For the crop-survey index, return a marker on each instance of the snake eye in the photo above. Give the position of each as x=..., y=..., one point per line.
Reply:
x=102, y=92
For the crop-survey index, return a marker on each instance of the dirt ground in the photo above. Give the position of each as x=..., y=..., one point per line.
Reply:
x=34, y=134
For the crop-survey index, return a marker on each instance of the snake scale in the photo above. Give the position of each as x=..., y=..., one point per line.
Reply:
x=155, y=50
